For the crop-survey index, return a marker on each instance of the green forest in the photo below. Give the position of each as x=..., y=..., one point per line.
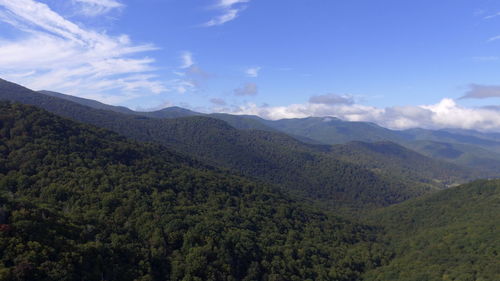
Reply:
x=79, y=202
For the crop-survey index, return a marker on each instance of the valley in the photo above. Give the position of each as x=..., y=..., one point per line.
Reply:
x=180, y=195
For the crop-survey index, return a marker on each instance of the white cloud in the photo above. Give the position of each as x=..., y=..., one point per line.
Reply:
x=229, y=12
x=229, y=15
x=494, y=38
x=229, y=3
x=444, y=114
x=492, y=16
x=187, y=59
x=97, y=7
x=63, y=56
x=253, y=72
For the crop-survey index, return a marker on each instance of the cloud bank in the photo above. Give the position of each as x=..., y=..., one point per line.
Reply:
x=444, y=114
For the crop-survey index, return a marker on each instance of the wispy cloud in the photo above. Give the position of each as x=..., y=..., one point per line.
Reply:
x=97, y=7
x=230, y=10
x=64, y=56
x=485, y=58
x=253, y=72
x=477, y=91
x=444, y=114
x=190, y=75
x=187, y=59
x=492, y=16
x=249, y=89
x=494, y=38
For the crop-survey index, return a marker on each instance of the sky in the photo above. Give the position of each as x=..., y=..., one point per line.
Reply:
x=401, y=64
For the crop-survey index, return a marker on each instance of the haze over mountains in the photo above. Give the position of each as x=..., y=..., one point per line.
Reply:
x=97, y=192
x=312, y=170
x=463, y=147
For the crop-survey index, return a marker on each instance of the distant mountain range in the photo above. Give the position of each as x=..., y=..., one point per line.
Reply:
x=468, y=148
x=317, y=172
x=96, y=192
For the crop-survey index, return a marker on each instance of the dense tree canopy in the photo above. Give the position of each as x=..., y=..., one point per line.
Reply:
x=450, y=235
x=83, y=203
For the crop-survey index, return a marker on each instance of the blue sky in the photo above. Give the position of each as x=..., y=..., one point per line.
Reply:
x=397, y=63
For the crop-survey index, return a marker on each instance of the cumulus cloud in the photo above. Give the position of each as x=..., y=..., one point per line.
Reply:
x=482, y=92
x=253, y=72
x=230, y=11
x=64, y=56
x=444, y=114
x=332, y=99
x=249, y=89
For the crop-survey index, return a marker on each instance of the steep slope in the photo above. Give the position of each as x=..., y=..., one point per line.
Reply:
x=396, y=161
x=450, y=235
x=81, y=203
x=267, y=156
x=465, y=155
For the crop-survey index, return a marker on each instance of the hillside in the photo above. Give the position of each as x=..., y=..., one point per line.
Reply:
x=398, y=162
x=330, y=130
x=81, y=203
x=268, y=156
x=450, y=235
x=475, y=150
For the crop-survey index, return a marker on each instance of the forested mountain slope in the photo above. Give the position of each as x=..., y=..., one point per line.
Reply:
x=468, y=148
x=450, y=235
x=396, y=161
x=81, y=203
x=268, y=156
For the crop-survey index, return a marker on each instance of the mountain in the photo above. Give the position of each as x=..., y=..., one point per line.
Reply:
x=83, y=203
x=170, y=112
x=87, y=102
x=449, y=235
x=303, y=169
x=465, y=155
x=468, y=148
x=330, y=130
x=398, y=162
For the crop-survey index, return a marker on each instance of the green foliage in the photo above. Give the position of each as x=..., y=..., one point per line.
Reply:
x=305, y=170
x=450, y=235
x=79, y=203
x=398, y=162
